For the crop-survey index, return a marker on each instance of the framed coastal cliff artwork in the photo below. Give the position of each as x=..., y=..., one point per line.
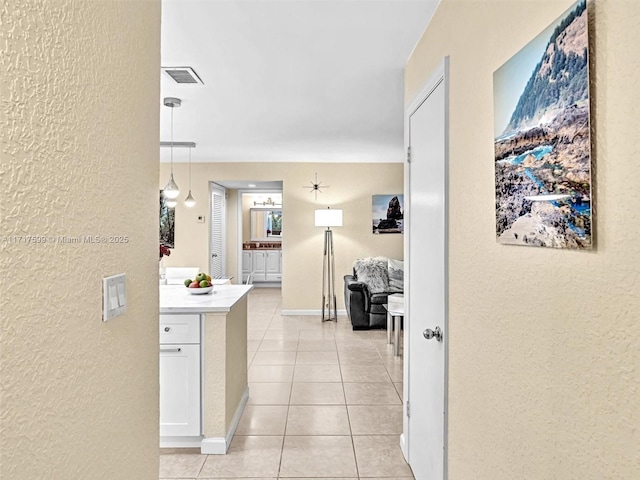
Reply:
x=542, y=139
x=388, y=213
x=167, y=224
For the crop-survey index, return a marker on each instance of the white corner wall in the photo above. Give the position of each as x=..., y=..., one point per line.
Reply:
x=79, y=133
x=544, y=344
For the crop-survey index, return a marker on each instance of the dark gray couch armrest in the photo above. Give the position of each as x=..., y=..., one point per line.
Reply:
x=353, y=285
x=356, y=297
x=356, y=286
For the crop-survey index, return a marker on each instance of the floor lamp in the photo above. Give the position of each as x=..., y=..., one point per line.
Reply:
x=328, y=218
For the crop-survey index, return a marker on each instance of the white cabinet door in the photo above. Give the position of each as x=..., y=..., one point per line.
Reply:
x=179, y=390
x=273, y=261
x=247, y=264
x=247, y=261
x=273, y=266
x=259, y=263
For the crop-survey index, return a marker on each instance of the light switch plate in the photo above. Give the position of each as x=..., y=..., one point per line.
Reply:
x=114, y=296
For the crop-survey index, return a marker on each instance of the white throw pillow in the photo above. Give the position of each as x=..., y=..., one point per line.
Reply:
x=396, y=275
x=373, y=272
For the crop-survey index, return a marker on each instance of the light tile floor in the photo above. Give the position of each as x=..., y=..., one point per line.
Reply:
x=325, y=402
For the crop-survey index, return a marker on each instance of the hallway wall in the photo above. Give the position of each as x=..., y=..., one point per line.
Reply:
x=544, y=362
x=80, y=113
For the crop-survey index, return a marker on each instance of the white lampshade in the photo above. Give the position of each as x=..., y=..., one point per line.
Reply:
x=329, y=218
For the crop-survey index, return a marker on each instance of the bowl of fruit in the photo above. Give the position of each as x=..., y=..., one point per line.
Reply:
x=200, y=285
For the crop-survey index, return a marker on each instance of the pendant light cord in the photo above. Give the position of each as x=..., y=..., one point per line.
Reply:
x=172, y=107
x=189, y=169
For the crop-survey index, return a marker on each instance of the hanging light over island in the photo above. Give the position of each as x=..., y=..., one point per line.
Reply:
x=171, y=190
x=189, y=201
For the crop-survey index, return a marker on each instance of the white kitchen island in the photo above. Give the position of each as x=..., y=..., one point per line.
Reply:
x=203, y=366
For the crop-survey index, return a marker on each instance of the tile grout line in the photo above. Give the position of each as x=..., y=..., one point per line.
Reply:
x=346, y=407
x=286, y=422
x=202, y=466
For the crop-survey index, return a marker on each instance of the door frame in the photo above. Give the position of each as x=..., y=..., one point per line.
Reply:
x=213, y=186
x=440, y=75
x=240, y=231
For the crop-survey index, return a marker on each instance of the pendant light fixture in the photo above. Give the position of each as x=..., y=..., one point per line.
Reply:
x=189, y=201
x=171, y=191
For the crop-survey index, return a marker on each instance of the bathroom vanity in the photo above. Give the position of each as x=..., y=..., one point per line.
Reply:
x=264, y=262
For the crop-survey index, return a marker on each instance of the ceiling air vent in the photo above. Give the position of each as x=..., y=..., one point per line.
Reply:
x=183, y=74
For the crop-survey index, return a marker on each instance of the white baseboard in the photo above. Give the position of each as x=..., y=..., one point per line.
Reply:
x=180, y=442
x=220, y=445
x=304, y=313
x=213, y=446
x=237, y=415
x=403, y=447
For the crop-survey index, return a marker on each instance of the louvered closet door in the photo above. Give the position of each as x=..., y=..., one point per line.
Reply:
x=217, y=238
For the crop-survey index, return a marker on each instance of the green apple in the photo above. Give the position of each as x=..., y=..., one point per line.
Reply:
x=204, y=284
x=187, y=282
x=200, y=277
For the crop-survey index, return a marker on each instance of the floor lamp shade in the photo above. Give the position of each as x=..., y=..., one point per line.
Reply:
x=329, y=218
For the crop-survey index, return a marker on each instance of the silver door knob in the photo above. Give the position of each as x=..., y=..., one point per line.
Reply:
x=429, y=334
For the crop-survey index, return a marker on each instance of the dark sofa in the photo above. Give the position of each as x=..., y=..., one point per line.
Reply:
x=365, y=300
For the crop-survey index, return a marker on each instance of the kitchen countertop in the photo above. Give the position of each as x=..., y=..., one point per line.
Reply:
x=176, y=299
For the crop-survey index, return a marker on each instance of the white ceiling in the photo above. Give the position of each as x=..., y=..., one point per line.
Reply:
x=290, y=80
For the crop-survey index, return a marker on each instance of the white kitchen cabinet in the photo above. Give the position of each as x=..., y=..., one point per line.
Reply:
x=266, y=265
x=247, y=264
x=180, y=396
x=258, y=264
x=273, y=266
x=200, y=337
x=272, y=263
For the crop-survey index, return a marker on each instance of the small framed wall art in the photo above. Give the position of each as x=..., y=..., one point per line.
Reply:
x=388, y=214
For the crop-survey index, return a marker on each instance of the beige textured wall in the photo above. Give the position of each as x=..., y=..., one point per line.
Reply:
x=214, y=375
x=246, y=218
x=225, y=367
x=232, y=226
x=544, y=344
x=350, y=188
x=79, y=138
x=235, y=360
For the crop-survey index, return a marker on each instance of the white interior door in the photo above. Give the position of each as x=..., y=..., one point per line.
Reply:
x=427, y=282
x=217, y=267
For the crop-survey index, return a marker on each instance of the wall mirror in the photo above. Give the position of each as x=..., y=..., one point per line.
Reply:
x=266, y=224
